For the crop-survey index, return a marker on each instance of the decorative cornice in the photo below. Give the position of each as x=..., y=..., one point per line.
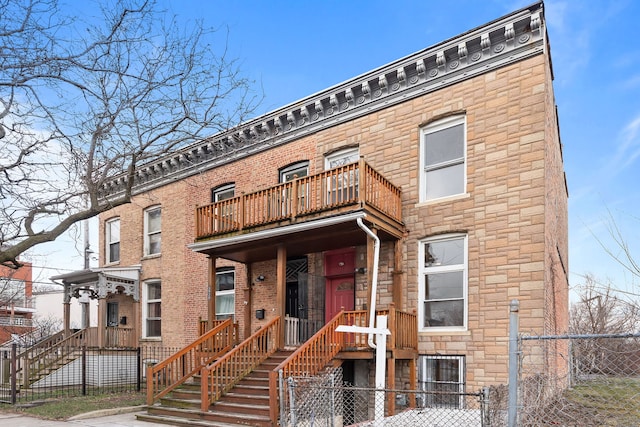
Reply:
x=509, y=39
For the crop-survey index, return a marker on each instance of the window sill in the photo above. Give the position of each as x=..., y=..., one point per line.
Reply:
x=150, y=339
x=151, y=256
x=111, y=264
x=444, y=331
x=443, y=200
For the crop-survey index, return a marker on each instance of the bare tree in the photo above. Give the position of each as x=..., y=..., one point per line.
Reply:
x=600, y=310
x=83, y=100
x=601, y=313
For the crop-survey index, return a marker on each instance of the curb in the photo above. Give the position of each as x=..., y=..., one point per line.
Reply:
x=107, y=412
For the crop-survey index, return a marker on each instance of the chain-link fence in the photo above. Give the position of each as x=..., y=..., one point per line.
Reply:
x=579, y=380
x=326, y=400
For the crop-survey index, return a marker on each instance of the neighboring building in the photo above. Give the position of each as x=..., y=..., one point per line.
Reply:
x=50, y=310
x=16, y=302
x=451, y=155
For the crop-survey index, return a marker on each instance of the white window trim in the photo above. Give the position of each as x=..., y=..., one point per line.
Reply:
x=347, y=152
x=216, y=192
x=145, y=302
x=225, y=270
x=292, y=167
x=438, y=125
x=109, y=242
x=422, y=270
x=146, y=231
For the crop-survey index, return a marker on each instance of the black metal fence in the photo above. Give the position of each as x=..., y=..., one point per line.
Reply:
x=77, y=372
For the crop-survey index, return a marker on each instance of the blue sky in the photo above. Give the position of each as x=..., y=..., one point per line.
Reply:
x=296, y=48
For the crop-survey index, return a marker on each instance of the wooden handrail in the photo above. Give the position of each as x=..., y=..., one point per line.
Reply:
x=176, y=369
x=309, y=358
x=356, y=184
x=222, y=375
x=41, y=355
x=316, y=353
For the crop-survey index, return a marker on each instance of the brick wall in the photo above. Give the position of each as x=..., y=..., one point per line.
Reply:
x=516, y=234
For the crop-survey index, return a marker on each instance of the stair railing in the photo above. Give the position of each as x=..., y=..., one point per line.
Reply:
x=179, y=367
x=313, y=355
x=45, y=354
x=223, y=374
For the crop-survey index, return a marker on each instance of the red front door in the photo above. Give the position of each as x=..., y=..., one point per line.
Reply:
x=340, y=295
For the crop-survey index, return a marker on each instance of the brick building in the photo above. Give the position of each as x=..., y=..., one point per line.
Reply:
x=451, y=157
x=16, y=302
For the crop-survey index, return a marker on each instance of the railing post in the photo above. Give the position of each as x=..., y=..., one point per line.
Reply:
x=241, y=209
x=139, y=369
x=393, y=326
x=512, y=408
x=362, y=181
x=295, y=185
x=204, y=389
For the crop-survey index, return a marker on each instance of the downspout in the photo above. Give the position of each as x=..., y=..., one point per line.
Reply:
x=374, y=279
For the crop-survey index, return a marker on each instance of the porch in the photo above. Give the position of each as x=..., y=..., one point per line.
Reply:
x=345, y=207
x=220, y=392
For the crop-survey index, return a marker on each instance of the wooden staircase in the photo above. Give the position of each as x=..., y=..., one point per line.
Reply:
x=247, y=403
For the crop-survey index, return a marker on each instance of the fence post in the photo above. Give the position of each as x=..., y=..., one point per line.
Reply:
x=332, y=406
x=484, y=405
x=512, y=409
x=292, y=403
x=14, y=361
x=84, y=370
x=139, y=369
x=281, y=396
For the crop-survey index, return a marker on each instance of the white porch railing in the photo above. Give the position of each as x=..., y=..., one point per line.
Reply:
x=297, y=331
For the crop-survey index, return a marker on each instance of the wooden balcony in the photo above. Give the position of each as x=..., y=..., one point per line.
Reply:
x=308, y=212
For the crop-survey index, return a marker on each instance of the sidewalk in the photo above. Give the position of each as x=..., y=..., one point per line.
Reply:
x=123, y=417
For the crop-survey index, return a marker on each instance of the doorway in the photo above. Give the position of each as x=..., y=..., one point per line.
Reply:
x=340, y=275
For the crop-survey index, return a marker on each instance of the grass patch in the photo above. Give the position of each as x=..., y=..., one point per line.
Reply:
x=63, y=408
x=615, y=400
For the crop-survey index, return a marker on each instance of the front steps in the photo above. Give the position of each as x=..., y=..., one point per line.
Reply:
x=247, y=403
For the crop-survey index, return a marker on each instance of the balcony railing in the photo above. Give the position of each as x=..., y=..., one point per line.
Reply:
x=18, y=303
x=355, y=184
x=15, y=321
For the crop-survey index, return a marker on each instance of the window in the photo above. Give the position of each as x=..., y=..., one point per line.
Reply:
x=342, y=185
x=284, y=207
x=152, y=307
x=225, y=292
x=112, y=314
x=12, y=292
x=223, y=192
x=443, y=282
x=297, y=170
x=442, y=158
x=442, y=378
x=341, y=158
x=112, y=238
x=152, y=235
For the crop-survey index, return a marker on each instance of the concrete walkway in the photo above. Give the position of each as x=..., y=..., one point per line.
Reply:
x=122, y=417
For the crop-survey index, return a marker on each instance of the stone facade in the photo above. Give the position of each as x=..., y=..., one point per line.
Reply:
x=513, y=211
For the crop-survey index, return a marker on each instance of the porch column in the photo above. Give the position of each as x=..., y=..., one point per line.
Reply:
x=137, y=324
x=248, y=304
x=391, y=384
x=211, y=312
x=102, y=322
x=398, y=249
x=281, y=284
x=66, y=310
x=67, y=318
